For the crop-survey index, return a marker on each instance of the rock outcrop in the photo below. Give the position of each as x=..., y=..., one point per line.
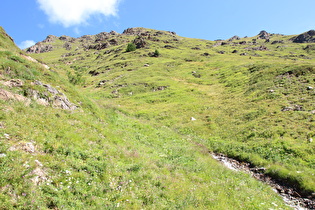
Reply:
x=51, y=96
x=39, y=48
x=307, y=37
x=139, y=42
x=56, y=98
x=234, y=38
x=50, y=38
x=264, y=35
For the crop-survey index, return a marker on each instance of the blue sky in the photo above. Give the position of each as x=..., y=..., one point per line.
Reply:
x=33, y=20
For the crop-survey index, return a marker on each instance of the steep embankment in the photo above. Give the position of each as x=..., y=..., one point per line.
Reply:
x=135, y=130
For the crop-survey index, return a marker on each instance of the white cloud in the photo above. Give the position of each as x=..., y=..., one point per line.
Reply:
x=76, y=12
x=26, y=44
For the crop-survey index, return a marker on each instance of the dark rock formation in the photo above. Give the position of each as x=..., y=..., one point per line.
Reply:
x=67, y=46
x=101, y=36
x=67, y=38
x=114, y=33
x=50, y=38
x=307, y=37
x=39, y=48
x=99, y=46
x=169, y=47
x=133, y=31
x=139, y=42
x=263, y=35
x=278, y=42
x=234, y=38
x=86, y=38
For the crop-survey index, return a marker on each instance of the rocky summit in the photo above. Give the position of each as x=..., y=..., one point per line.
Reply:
x=144, y=119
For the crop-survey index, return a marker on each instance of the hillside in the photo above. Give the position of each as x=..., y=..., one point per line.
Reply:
x=89, y=124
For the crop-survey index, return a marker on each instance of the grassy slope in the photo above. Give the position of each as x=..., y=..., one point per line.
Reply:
x=237, y=100
x=113, y=153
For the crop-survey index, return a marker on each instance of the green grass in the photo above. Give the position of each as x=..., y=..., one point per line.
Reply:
x=132, y=143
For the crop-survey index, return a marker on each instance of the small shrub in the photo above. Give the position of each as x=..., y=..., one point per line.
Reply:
x=131, y=47
x=156, y=53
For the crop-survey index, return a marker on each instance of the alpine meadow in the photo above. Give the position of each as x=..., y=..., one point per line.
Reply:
x=132, y=120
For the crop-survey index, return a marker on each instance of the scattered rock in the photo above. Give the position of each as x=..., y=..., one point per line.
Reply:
x=294, y=108
x=25, y=146
x=114, y=33
x=159, y=88
x=169, y=47
x=310, y=140
x=217, y=44
x=172, y=33
x=40, y=175
x=99, y=46
x=67, y=46
x=94, y=73
x=309, y=48
x=63, y=103
x=51, y=89
x=6, y=96
x=310, y=88
x=234, y=38
x=14, y=83
x=86, y=38
x=67, y=38
x=113, y=42
x=146, y=65
x=193, y=119
x=38, y=163
x=101, y=36
x=278, y=42
x=260, y=48
x=2, y=155
x=133, y=31
x=243, y=54
x=234, y=51
x=57, y=98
